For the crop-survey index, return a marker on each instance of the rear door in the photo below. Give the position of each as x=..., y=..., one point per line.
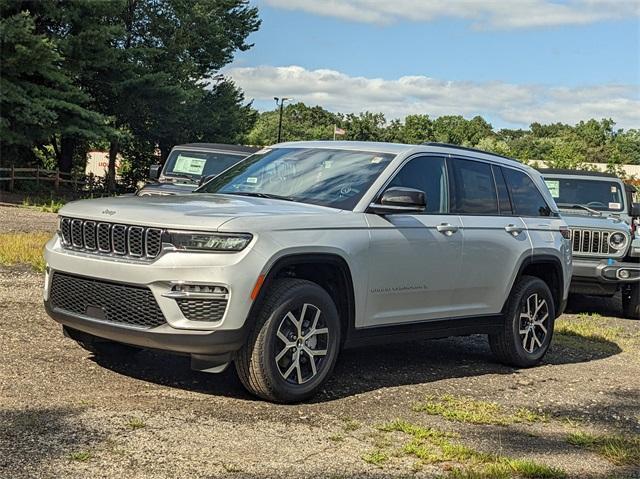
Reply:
x=495, y=238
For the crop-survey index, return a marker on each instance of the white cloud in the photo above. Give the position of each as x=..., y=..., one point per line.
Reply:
x=494, y=14
x=503, y=102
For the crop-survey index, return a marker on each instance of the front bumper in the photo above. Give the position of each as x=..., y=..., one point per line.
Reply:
x=164, y=338
x=606, y=271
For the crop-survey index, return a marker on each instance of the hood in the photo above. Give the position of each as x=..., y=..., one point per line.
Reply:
x=196, y=211
x=596, y=222
x=166, y=189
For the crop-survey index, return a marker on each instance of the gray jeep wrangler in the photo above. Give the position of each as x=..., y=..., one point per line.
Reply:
x=599, y=209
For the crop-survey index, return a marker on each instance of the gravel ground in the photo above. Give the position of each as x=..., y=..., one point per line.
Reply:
x=65, y=413
x=15, y=219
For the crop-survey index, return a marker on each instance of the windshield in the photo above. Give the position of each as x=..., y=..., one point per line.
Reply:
x=319, y=176
x=599, y=195
x=192, y=165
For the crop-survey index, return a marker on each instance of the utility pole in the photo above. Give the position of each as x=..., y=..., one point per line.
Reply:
x=280, y=104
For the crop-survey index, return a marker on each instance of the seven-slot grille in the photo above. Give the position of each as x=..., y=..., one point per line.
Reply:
x=111, y=238
x=113, y=302
x=594, y=242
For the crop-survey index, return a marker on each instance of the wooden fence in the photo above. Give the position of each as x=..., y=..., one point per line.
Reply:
x=57, y=177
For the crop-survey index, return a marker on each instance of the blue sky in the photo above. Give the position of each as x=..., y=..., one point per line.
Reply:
x=512, y=62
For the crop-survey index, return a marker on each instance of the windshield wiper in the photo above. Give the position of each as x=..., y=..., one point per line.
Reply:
x=584, y=207
x=258, y=195
x=179, y=175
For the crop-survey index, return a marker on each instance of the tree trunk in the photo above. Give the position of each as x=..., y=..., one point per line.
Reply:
x=67, y=148
x=111, y=172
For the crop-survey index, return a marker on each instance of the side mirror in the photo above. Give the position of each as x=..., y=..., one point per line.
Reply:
x=154, y=172
x=205, y=179
x=400, y=200
x=635, y=210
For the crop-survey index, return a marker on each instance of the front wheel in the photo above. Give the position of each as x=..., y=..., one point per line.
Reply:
x=526, y=334
x=631, y=301
x=294, y=343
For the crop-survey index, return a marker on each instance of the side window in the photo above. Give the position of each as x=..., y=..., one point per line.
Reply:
x=527, y=200
x=503, y=195
x=474, y=190
x=428, y=174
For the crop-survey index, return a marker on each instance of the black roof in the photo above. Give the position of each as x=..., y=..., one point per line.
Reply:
x=219, y=146
x=566, y=171
x=467, y=148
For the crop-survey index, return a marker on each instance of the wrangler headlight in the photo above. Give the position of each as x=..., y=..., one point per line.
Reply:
x=194, y=241
x=617, y=241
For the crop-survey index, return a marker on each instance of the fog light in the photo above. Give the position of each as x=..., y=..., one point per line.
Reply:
x=623, y=274
x=200, y=288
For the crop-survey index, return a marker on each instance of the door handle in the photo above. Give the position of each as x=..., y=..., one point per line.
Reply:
x=513, y=229
x=446, y=229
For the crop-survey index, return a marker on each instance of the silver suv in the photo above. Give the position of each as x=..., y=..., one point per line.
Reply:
x=303, y=249
x=605, y=239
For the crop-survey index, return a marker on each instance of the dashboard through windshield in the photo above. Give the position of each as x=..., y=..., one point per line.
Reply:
x=321, y=176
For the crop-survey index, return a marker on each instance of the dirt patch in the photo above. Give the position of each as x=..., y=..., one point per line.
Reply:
x=19, y=219
x=64, y=413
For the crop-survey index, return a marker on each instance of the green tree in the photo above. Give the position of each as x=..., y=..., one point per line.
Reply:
x=365, y=126
x=38, y=98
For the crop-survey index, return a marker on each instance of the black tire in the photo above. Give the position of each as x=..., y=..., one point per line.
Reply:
x=631, y=301
x=256, y=362
x=507, y=344
x=102, y=347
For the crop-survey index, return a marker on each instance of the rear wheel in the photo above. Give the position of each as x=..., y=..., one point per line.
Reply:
x=294, y=344
x=528, y=326
x=631, y=301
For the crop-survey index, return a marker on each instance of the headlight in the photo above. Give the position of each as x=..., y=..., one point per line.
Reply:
x=192, y=241
x=617, y=241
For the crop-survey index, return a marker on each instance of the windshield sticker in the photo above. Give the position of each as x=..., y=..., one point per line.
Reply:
x=614, y=189
x=376, y=159
x=189, y=165
x=554, y=187
x=614, y=206
x=328, y=163
x=252, y=179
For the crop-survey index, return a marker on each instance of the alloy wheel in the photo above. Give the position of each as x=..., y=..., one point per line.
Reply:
x=304, y=338
x=534, y=315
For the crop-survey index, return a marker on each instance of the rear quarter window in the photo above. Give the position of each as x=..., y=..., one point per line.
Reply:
x=525, y=196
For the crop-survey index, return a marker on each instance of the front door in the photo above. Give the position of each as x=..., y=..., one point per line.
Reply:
x=415, y=258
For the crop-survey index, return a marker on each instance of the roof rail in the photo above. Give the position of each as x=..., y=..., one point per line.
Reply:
x=568, y=171
x=466, y=148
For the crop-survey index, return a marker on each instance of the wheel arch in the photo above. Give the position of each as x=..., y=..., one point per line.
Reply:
x=549, y=269
x=329, y=270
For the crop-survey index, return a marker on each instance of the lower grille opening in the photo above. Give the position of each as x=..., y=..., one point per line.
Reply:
x=202, y=309
x=106, y=301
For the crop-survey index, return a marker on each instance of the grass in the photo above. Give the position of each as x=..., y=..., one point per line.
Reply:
x=136, y=423
x=50, y=206
x=591, y=333
x=617, y=449
x=351, y=425
x=80, y=456
x=23, y=248
x=463, y=409
x=377, y=458
x=433, y=446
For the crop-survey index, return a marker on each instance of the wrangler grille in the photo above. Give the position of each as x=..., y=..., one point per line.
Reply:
x=202, y=309
x=592, y=242
x=105, y=301
x=111, y=238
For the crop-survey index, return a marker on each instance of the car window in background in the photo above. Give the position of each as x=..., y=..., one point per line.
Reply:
x=474, y=190
x=427, y=174
x=199, y=163
x=599, y=195
x=526, y=199
x=320, y=176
